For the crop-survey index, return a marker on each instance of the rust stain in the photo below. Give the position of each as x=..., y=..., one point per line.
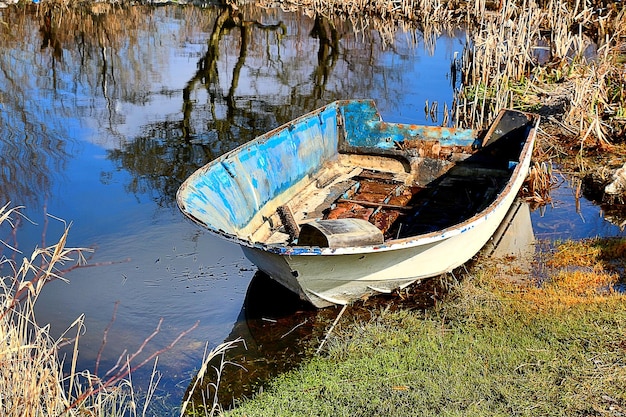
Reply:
x=377, y=199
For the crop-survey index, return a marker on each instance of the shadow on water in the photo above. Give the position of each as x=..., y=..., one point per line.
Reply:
x=278, y=331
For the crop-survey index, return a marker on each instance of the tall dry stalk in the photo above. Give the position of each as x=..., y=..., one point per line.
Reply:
x=499, y=56
x=210, y=402
x=32, y=382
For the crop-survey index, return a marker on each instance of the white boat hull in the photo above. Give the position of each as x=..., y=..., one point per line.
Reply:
x=340, y=278
x=288, y=198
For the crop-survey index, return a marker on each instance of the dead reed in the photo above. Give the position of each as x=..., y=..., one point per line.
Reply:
x=210, y=402
x=528, y=57
x=539, y=183
x=31, y=373
x=32, y=379
x=518, y=54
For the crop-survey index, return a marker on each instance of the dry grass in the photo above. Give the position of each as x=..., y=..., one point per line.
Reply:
x=32, y=378
x=31, y=373
x=596, y=253
x=209, y=405
x=564, y=289
x=578, y=273
x=539, y=183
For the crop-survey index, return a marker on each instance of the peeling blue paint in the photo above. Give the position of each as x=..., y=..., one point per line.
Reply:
x=365, y=128
x=227, y=193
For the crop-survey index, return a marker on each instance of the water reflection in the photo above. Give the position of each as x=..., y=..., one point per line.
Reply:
x=277, y=331
x=515, y=238
x=260, y=71
x=571, y=216
x=33, y=149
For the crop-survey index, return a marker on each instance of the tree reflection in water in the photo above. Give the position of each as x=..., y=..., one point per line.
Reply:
x=33, y=145
x=281, y=80
x=231, y=118
x=92, y=69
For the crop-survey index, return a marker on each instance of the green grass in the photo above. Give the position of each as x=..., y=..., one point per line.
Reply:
x=489, y=350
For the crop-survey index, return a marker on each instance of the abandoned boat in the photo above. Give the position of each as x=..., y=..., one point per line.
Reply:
x=338, y=204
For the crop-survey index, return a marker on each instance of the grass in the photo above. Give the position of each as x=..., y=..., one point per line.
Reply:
x=492, y=348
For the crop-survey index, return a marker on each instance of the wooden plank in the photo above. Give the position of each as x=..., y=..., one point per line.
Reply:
x=377, y=175
x=373, y=204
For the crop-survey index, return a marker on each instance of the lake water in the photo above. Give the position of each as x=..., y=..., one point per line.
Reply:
x=104, y=112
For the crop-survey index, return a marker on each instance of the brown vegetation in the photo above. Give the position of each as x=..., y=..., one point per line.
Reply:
x=33, y=382
x=521, y=54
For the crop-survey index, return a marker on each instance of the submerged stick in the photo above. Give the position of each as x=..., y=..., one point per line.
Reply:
x=319, y=349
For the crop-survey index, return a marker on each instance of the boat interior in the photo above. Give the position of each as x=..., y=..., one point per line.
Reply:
x=417, y=188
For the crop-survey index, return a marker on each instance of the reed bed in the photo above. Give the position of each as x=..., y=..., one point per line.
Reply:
x=518, y=54
x=497, y=58
x=32, y=382
x=528, y=57
x=386, y=17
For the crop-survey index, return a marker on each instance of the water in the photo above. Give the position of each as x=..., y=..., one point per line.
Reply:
x=104, y=112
